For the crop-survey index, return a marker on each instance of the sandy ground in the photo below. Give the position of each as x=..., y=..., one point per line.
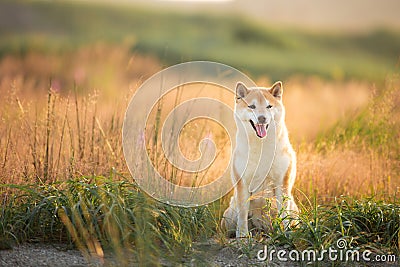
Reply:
x=208, y=253
x=41, y=255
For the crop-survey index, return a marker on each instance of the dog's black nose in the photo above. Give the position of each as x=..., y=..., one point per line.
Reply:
x=261, y=119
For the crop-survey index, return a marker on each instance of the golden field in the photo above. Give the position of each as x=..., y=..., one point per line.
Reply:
x=61, y=118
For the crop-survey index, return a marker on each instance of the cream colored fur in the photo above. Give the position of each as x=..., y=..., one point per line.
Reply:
x=264, y=167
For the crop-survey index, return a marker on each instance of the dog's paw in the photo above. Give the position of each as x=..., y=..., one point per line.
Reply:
x=242, y=234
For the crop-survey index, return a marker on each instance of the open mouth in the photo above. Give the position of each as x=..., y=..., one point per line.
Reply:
x=260, y=128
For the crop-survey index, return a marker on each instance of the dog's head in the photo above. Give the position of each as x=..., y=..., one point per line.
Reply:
x=256, y=107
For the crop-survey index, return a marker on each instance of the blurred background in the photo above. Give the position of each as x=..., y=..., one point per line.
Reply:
x=277, y=39
x=335, y=59
x=113, y=46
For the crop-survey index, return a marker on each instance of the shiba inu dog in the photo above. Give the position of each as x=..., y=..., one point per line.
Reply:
x=264, y=162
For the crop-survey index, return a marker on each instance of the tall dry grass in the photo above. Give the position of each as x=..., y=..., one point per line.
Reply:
x=57, y=138
x=359, y=155
x=61, y=118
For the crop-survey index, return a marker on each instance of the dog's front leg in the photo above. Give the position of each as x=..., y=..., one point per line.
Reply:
x=243, y=197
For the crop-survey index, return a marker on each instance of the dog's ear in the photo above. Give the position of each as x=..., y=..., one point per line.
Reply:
x=241, y=90
x=277, y=90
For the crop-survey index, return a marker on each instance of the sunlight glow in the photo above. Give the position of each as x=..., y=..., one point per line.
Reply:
x=198, y=1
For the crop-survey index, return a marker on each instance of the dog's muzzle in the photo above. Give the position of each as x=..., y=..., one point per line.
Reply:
x=260, y=128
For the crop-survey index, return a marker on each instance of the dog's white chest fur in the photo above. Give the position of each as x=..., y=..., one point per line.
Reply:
x=254, y=160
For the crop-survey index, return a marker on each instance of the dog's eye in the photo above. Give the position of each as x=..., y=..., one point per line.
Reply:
x=252, y=106
x=269, y=106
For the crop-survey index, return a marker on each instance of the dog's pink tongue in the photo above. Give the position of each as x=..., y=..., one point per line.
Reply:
x=261, y=131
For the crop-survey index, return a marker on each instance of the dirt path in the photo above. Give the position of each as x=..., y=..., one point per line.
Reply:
x=208, y=253
x=39, y=254
x=60, y=255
